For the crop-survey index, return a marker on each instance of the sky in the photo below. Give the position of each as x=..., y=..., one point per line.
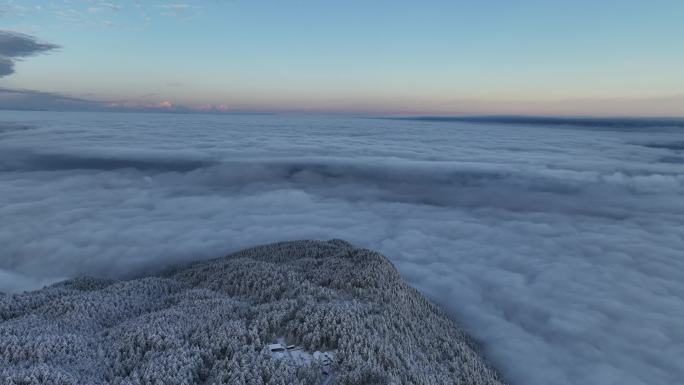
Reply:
x=391, y=57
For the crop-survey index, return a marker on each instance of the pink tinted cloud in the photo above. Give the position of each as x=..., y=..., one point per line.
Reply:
x=214, y=108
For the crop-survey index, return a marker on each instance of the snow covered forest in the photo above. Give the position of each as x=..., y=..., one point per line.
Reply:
x=211, y=322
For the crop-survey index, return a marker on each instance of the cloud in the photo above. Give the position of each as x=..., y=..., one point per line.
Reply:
x=20, y=99
x=11, y=8
x=14, y=46
x=620, y=124
x=180, y=9
x=12, y=281
x=6, y=66
x=104, y=7
x=17, y=99
x=558, y=247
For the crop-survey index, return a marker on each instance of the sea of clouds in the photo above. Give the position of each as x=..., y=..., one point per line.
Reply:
x=560, y=247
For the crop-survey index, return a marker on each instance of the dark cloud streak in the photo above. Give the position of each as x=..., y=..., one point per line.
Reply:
x=15, y=45
x=18, y=99
x=6, y=66
x=578, y=121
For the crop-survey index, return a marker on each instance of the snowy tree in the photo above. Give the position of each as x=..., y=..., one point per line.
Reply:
x=209, y=322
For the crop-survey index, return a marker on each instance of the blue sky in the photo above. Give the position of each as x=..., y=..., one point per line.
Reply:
x=493, y=56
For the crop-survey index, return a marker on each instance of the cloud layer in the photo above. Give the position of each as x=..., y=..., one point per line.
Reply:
x=14, y=46
x=17, y=99
x=558, y=247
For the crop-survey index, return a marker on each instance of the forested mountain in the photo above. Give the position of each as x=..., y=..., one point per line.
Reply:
x=211, y=322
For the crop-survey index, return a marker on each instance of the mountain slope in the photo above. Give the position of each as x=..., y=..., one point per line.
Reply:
x=211, y=322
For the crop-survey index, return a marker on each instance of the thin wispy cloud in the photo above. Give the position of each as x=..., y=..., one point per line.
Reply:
x=104, y=7
x=14, y=8
x=180, y=9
